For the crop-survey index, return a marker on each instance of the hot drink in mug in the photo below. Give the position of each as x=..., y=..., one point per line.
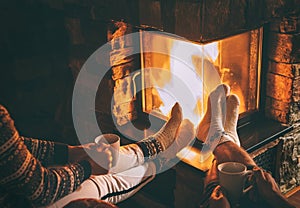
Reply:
x=232, y=176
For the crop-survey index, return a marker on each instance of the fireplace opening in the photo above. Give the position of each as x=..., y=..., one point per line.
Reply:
x=174, y=69
x=179, y=70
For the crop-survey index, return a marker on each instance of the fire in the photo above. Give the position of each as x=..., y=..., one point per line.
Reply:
x=177, y=70
x=187, y=72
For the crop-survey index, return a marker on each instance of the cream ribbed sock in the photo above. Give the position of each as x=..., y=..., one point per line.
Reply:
x=159, y=142
x=232, y=115
x=215, y=112
x=210, y=129
x=185, y=136
x=166, y=135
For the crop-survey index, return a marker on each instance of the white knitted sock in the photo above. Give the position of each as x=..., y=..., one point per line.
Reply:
x=159, y=142
x=185, y=136
x=217, y=111
x=232, y=115
x=166, y=135
x=214, y=113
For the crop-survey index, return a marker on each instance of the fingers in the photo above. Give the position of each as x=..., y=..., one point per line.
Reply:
x=102, y=147
x=108, y=153
x=217, y=194
x=100, y=157
x=259, y=174
x=101, y=161
x=101, y=143
x=218, y=199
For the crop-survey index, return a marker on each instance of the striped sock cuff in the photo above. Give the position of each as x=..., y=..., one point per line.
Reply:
x=150, y=147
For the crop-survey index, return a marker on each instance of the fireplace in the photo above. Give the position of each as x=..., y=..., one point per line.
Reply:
x=178, y=70
x=258, y=71
x=44, y=41
x=263, y=71
x=175, y=69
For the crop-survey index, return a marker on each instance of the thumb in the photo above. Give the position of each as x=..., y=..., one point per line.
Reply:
x=217, y=194
x=101, y=147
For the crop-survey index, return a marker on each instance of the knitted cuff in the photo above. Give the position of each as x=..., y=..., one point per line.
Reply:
x=60, y=153
x=150, y=147
x=225, y=138
x=86, y=168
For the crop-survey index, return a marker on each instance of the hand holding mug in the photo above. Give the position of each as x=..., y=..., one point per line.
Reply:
x=232, y=176
x=100, y=158
x=218, y=199
x=112, y=141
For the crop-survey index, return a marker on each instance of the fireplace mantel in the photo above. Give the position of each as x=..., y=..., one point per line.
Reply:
x=208, y=20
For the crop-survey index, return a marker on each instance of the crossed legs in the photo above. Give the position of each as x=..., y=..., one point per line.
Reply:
x=138, y=163
x=227, y=148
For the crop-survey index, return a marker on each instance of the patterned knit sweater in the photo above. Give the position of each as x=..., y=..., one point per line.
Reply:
x=24, y=167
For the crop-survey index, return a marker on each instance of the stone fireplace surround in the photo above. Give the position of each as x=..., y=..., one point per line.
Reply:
x=55, y=36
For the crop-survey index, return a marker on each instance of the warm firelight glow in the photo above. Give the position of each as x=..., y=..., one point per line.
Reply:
x=189, y=71
x=177, y=70
x=194, y=157
x=212, y=50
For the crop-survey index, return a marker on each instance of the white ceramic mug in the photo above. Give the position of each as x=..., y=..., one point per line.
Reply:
x=114, y=141
x=232, y=176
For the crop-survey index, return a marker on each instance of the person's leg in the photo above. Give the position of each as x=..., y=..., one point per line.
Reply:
x=129, y=156
x=115, y=188
x=89, y=203
x=231, y=118
x=231, y=152
x=211, y=126
x=120, y=186
x=112, y=188
x=229, y=149
x=133, y=155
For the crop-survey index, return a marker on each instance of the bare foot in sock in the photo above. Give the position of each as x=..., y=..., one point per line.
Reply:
x=214, y=113
x=232, y=115
x=166, y=135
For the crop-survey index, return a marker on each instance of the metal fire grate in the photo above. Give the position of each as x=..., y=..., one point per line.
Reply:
x=267, y=158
